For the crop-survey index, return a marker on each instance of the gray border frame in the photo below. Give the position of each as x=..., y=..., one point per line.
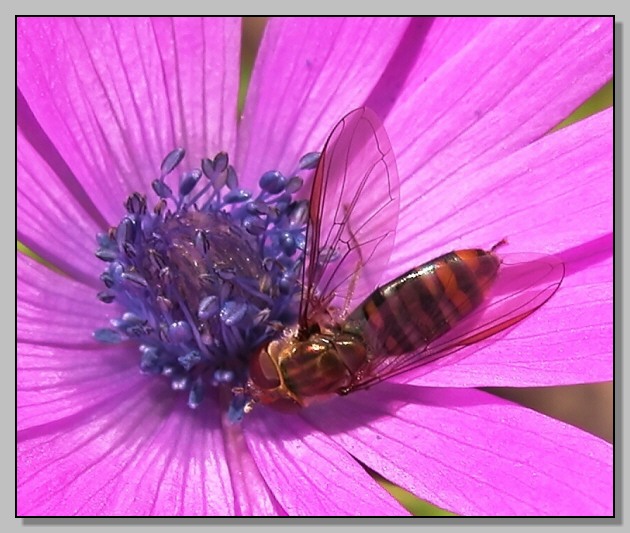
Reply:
x=286, y=7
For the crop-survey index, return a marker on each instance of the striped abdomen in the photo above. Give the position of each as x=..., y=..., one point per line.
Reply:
x=425, y=302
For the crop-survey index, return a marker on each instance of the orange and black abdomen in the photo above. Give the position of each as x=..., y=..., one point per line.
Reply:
x=425, y=302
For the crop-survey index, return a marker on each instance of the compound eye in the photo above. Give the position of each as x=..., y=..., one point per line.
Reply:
x=263, y=372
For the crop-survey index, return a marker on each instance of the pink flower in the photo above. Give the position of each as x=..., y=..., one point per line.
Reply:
x=467, y=104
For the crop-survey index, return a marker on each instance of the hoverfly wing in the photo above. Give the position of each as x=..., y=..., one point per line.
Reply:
x=523, y=285
x=353, y=213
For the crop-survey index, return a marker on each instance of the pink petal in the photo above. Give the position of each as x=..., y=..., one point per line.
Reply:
x=54, y=310
x=141, y=453
x=550, y=196
x=515, y=80
x=428, y=43
x=252, y=494
x=55, y=383
x=62, y=370
x=115, y=96
x=309, y=73
x=309, y=473
x=51, y=221
x=472, y=453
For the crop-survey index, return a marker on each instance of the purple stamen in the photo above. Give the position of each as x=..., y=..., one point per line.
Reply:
x=205, y=276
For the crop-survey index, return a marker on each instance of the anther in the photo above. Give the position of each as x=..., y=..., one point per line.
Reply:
x=136, y=204
x=309, y=161
x=273, y=182
x=125, y=232
x=106, y=254
x=220, y=162
x=189, y=360
x=208, y=307
x=223, y=376
x=179, y=331
x=179, y=383
x=294, y=184
x=298, y=214
x=231, y=178
x=106, y=297
x=161, y=189
x=155, y=258
x=134, y=279
x=189, y=181
x=107, y=279
x=232, y=312
x=201, y=242
x=195, y=397
x=236, y=195
x=172, y=159
x=108, y=336
x=150, y=360
x=132, y=318
x=288, y=244
x=129, y=250
x=254, y=225
x=164, y=305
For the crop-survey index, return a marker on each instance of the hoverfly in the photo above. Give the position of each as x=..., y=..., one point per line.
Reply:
x=352, y=333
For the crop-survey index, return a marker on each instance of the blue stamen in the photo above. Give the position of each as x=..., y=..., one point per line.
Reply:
x=220, y=162
x=196, y=394
x=236, y=196
x=131, y=318
x=189, y=181
x=134, y=279
x=108, y=336
x=219, y=180
x=232, y=312
x=125, y=232
x=150, y=360
x=273, y=182
x=254, y=225
x=231, y=179
x=223, y=376
x=300, y=241
x=207, y=307
x=205, y=276
x=189, y=360
x=289, y=246
x=107, y=279
x=105, y=254
x=236, y=411
x=136, y=204
x=179, y=383
x=309, y=161
x=179, y=332
x=172, y=159
x=207, y=167
x=106, y=297
x=294, y=184
x=161, y=189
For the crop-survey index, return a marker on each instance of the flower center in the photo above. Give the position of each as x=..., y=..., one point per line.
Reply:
x=206, y=276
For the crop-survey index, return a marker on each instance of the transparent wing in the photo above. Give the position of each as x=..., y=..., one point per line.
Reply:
x=353, y=213
x=523, y=285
